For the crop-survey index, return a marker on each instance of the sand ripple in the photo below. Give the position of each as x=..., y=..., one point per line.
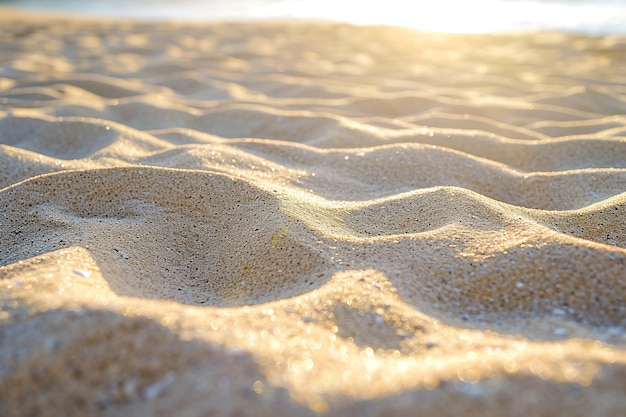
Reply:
x=310, y=218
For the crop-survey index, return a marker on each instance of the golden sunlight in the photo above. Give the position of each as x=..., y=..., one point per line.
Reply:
x=458, y=16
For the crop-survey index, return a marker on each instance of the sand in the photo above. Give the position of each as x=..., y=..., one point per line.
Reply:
x=297, y=219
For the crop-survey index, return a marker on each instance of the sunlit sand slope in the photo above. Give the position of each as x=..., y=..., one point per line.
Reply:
x=294, y=219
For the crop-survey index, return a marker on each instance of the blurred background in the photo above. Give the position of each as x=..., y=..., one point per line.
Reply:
x=595, y=17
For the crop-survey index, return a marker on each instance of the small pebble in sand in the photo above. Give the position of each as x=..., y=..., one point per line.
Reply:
x=80, y=272
x=155, y=389
x=121, y=252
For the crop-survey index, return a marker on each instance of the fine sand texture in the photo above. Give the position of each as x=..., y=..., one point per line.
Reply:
x=294, y=219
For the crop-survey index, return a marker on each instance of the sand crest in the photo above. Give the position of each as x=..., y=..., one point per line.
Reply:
x=300, y=219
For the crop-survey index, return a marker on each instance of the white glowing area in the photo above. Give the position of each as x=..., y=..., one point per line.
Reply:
x=458, y=16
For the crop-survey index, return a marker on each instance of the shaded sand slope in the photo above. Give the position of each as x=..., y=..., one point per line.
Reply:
x=299, y=219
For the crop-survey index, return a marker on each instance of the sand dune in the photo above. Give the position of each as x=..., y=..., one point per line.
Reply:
x=299, y=219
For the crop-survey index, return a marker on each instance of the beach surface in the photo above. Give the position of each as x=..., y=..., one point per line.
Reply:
x=292, y=219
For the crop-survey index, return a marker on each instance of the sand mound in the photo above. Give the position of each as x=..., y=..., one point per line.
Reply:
x=296, y=219
x=208, y=240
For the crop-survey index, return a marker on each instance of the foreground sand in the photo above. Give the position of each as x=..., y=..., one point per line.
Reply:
x=307, y=218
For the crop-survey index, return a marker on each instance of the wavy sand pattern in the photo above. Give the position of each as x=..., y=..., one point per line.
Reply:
x=294, y=219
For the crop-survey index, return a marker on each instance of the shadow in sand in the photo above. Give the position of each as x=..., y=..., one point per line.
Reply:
x=51, y=137
x=530, y=279
x=525, y=280
x=98, y=362
x=522, y=395
x=206, y=239
x=356, y=325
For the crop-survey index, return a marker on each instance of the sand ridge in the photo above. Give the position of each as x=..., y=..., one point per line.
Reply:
x=299, y=219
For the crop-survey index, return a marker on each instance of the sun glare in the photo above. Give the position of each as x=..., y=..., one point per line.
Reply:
x=459, y=16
